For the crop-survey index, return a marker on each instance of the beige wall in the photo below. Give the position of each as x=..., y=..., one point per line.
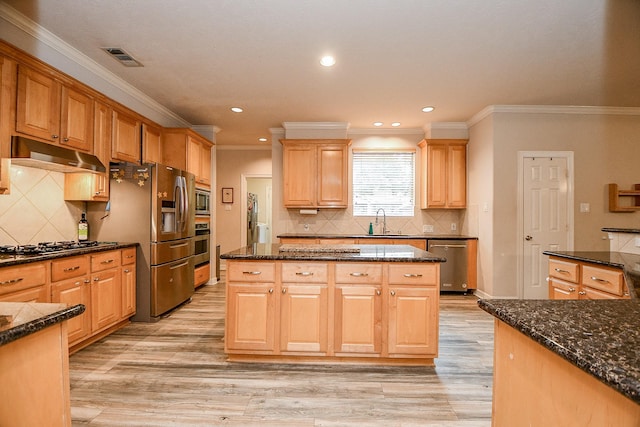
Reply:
x=606, y=149
x=231, y=166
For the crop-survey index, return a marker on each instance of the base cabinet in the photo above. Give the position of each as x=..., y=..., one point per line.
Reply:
x=571, y=279
x=309, y=311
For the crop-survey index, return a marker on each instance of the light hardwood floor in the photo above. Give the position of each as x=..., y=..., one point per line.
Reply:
x=174, y=373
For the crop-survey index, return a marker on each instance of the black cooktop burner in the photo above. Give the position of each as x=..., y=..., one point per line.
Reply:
x=46, y=247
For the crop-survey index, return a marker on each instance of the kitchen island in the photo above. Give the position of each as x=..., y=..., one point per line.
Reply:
x=569, y=363
x=34, y=363
x=375, y=304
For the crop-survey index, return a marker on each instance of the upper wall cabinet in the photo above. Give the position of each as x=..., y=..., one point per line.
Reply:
x=316, y=173
x=151, y=145
x=52, y=111
x=8, y=74
x=443, y=173
x=183, y=148
x=125, y=137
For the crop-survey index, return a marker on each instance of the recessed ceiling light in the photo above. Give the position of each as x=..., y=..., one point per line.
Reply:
x=378, y=123
x=262, y=139
x=395, y=124
x=237, y=109
x=428, y=109
x=328, y=61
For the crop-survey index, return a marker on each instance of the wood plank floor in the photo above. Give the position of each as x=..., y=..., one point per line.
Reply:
x=174, y=373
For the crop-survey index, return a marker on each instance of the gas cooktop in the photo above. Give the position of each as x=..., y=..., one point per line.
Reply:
x=48, y=247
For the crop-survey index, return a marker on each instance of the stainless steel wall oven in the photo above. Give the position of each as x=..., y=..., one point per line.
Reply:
x=202, y=242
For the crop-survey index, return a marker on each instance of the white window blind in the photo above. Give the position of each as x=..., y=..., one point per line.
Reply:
x=383, y=180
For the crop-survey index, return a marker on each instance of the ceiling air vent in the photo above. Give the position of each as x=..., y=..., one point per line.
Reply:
x=122, y=56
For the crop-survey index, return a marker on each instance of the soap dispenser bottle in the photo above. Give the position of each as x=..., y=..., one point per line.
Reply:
x=83, y=228
x=370, y=228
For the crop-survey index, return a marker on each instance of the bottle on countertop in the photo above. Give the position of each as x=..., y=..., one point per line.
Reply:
x=83, y=228
x=370, y=228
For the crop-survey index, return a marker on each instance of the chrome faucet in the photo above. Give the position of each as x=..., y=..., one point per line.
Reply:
x=384, y=220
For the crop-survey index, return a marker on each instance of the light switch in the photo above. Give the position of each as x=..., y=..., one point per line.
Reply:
x=585, y=207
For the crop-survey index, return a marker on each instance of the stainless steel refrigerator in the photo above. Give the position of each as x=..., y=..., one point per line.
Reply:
x=252, y=218
x=152, y=205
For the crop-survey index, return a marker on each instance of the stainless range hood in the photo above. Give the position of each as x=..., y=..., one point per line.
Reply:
x=36, y=154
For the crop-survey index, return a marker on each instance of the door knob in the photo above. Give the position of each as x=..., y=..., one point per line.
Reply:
x=528, y=238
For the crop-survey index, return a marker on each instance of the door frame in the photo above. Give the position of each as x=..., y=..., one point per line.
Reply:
x=568, y=155
x=243, y=201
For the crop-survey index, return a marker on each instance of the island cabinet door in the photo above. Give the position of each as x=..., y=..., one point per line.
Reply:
x=303, y=319
x=250, y=318
x=413, y=321
x=358, y=320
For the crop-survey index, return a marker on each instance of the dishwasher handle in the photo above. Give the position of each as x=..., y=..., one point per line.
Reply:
x=448, y=246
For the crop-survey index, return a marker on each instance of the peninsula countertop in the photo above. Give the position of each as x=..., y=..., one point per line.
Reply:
x=376, y=236
x=598, y=336
x=348, y=253
x=629, y=263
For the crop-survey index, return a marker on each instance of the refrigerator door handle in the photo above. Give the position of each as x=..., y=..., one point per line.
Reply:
x=185, y=203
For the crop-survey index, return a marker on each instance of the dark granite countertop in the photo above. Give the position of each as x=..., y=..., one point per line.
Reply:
x=27, y=318
x=629, y=263
x=600, y=337
x=366, y=253
x=8, y=260
x=621, y=230
x=376, y=236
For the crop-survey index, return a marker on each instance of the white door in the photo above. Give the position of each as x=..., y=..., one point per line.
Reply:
x=545, y=219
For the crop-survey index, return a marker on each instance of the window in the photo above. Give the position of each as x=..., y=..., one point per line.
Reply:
x=383, y=180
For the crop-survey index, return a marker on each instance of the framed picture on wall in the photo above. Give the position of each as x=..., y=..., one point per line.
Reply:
x=227, y=195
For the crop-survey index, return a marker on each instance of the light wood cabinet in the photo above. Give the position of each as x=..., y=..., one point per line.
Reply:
x=572, y=279
x=8, y=83
x=106, y=290
x=128, y=280
x=417, y=243
x=52, y=111
x=199, y=160
x=185, y=149
x=25, y=283
x=125, y=137
x=89, y=187
x=70, y=284
x=443, y=174
x=315, y=173
x=202, y=274
x=151, y=143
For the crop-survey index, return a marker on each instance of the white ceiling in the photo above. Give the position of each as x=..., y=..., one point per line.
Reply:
x=202, y=57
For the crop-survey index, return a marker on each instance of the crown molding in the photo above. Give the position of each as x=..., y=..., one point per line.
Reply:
x=244, y=147
x=44, y=36
x=446, y=126
x=552, y=109
x=385, y=131
x=315, y=125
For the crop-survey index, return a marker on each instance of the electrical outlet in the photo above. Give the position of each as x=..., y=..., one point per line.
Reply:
x=306, y=227
x=454, y=227
x=427, y=228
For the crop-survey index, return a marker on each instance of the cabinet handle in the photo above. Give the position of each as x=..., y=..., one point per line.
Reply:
x=178, y=245
x=582, y=293
x=284, y=290
x=87, y=281
x=173, y=267
x=252, y=273
x=271, y=290
x=12, y=281
x=559, y=270
x=108, y=261
x=127, y=270
x=596, y=279
x=412, y=275
x=96, y=279
x=356, y=274
x=378, y=292
x=54, y=136
x=572, y=289
x=98, y=193
x=393, y=293
x=74, y=268
x=304, y=273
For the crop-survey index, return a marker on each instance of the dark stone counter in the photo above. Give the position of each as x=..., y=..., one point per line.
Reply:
x=622, y=230
x=27, y=318
x=629, y=263
x=600, y=337
x=366, y=253
x=8, y=260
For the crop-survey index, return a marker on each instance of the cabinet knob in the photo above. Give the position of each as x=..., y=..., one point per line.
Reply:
x=582, y=293
x=96, y=279
x=393, y=293
x=572, y=289
x=65, y=139
x=379, y=292
x=284, y=290
x=54, y=136
x=271, y=290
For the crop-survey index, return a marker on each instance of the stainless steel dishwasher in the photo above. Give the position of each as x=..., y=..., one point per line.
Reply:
x=453, y=273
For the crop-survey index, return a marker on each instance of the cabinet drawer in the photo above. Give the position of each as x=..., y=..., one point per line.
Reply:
x=128, y=256
x=105, y=260
x=67, y=268
x=408, y=274
x=304, y=272
x=241, y=271
x=201, y=274
x=603, y=279
x=359, y=272
x=559, y=289
x=21, y=277
x=564, y=270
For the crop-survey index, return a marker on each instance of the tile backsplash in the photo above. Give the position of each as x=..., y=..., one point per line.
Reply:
x=36, y=211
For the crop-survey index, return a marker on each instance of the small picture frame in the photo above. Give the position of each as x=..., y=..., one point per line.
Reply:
x=227, y=195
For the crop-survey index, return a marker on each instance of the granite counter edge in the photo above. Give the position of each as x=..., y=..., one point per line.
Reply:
x=13, y=334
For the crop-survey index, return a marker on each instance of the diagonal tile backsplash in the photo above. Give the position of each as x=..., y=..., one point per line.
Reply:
x=36, y=211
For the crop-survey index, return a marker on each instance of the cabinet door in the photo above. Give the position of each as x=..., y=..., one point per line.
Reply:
x=128, y=290
x=125, y=141
x=89, y=187
x=38, y=105
x=457, y=176
x=72, y=292
x=436, y=176
x=303, y=318
x=151, y=146
x=413, y=321
x=106, y=298
x=299, y=175
x=332, y=175
x=76, y=120
x=251, y=317
x=205, y=165
x=358, y=320
x=25, y=283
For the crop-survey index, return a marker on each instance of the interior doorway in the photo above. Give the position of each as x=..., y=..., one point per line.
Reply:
x=545, y=216
x=260, y=186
